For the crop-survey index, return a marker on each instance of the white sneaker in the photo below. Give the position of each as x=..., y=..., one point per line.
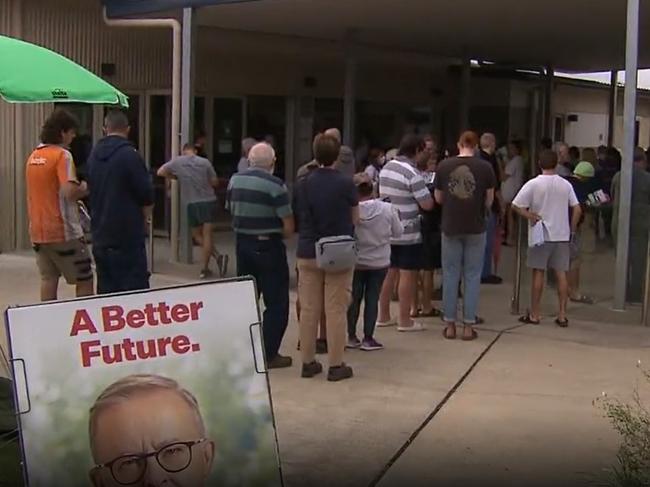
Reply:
x=386, y=324
x=417, y=326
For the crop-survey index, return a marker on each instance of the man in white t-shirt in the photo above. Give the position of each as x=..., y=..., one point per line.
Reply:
x=548, y=198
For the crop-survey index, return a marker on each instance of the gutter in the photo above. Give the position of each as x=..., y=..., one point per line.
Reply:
x=175, y=27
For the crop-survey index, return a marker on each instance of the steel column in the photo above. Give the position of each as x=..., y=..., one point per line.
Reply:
x=629, y=119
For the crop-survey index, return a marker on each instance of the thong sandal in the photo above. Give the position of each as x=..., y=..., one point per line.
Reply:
x=449, y=336
x=562, y=323
x=582, y=299
x=474, y=336
x=526, y=319
x=434, y=313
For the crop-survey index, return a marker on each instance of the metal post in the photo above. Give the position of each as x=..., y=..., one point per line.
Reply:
x=349, y=98
x=464, y=103
x=516, y=291
x=533, y=130
x=645, y=311
x=150, y=245
x=548, y=104
x=613, y=108
x=629, y=118
x=187, y=126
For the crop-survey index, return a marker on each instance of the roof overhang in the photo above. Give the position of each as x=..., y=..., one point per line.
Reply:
x=125, y=8
x=570, y=35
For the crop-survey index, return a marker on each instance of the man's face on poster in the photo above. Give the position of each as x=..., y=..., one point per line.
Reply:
x=151, y=439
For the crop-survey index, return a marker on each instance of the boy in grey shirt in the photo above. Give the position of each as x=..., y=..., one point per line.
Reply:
x=379, y=222
x=198, y=180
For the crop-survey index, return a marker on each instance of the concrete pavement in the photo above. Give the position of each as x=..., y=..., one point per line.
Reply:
x=423, y=412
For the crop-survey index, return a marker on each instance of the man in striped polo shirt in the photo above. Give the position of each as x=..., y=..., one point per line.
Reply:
x=262, y=218
x=400, y=183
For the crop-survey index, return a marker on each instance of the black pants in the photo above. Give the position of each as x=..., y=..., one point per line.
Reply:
x=266, y=261
x=366, y=287
x=121, y=269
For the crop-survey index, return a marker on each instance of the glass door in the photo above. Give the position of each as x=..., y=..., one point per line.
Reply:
x=227, y=136
x=160, y=152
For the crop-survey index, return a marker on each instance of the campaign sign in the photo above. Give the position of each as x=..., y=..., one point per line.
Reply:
x=164, y=387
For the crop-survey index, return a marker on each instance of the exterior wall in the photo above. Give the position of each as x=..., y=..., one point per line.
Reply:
x=591, y=105
x=7, y=145
x=75, y=29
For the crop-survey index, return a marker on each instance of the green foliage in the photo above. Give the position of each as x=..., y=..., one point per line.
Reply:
x=632, y=422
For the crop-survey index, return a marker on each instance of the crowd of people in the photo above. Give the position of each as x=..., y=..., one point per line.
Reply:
x=368, y=233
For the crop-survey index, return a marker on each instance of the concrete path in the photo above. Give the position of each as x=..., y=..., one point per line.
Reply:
x=512, y=408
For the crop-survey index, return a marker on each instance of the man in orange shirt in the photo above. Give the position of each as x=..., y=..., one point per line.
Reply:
x=52, y=194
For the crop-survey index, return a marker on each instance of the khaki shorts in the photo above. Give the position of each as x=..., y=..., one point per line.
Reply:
x=70, y=259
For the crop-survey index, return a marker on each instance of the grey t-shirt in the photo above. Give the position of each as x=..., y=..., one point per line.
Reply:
x=195, y=175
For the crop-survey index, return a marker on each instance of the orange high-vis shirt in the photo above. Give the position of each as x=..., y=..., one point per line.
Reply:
x=52, y=218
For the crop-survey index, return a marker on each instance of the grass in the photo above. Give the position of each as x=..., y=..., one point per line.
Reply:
x=632, y=422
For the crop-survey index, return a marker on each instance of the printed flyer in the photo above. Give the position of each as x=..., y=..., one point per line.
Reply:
x=164, y=387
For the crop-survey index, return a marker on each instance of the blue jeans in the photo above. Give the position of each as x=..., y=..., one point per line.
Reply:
x=366, y=286
x=462, y=255
x=121, y=269
x=266, y=261
x=490, y=234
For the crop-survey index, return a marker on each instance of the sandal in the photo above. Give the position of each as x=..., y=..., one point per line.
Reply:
x=415, y=314
x=526, y=319
x=434, y=313
x=562, y=323
x=474, y=336
x=448, y=336
x=582, y=299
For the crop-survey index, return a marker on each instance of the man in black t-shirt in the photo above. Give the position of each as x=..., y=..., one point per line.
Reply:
x=464, y=186
x=488, y=154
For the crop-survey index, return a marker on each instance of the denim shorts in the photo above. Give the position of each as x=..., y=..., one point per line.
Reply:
x=407, y=257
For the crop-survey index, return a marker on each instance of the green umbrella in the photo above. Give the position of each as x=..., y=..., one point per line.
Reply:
x=33, y=74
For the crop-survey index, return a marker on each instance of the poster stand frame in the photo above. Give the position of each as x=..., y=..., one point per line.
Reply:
x=11, y=361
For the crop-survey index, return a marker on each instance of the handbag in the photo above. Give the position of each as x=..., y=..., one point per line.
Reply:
x=336, y=254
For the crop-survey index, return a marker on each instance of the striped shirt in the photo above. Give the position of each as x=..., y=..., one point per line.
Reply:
x=257, y=201
x=401, y=183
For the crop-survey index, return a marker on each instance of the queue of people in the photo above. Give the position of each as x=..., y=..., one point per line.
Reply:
x=119, y=190
x=367, y=235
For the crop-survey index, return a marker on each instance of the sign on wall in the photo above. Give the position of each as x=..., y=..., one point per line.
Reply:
x=164, y=387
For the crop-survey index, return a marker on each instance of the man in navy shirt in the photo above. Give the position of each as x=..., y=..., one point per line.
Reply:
x=327, y=205
x=121, y=199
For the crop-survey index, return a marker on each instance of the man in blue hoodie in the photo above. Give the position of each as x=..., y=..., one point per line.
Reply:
x=121, y=200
